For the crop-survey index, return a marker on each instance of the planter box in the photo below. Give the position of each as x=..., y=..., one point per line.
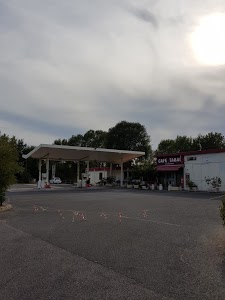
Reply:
x=136, y=186
x=213, y=190
x=174, y=188
x=129, y=186
x=144, y=187
x=194, y=189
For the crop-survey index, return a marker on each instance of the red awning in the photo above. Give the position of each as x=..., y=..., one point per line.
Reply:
x=168, y=168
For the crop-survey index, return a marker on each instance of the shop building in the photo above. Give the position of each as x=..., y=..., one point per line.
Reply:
x=204, y=164
x=170, y=169
x=177, y=169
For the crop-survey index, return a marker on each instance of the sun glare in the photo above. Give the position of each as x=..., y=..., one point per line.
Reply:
x=208, y=40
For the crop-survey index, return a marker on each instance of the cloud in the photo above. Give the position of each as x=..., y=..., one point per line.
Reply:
x=146, y=16
x=68, y=67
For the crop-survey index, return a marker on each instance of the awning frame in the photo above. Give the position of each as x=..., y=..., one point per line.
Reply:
x=169, y=168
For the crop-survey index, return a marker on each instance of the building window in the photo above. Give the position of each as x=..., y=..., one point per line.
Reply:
x=100, y=176
x=191, y=158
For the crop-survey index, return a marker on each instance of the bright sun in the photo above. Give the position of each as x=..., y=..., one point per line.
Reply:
x=208, y=40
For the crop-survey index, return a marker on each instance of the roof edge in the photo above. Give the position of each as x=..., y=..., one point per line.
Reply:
x=197, y=152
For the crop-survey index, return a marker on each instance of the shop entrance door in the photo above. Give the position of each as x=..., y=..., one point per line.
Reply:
x=171, y=179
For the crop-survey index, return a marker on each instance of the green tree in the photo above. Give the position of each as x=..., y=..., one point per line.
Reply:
x=212, y=140
x=143, y=170
x=130, y=136
x=30, y=166
x=94, y=139
x=76, y=140
x=9, y=165
x=61, y=142
x=184, y=143
x=166, y=147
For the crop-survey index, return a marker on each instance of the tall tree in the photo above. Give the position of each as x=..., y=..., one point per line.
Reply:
x=212, y=140
x=9, y=165
x=94, y=139
x=61, y=142
x=129, y=136
x=30, y=166
x=166, y=147
x=184, y=143
x=76, y=140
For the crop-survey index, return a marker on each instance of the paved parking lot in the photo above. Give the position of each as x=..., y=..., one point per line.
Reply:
x=111, y=244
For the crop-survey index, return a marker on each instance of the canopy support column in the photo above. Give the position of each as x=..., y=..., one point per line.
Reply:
x=53, y=170
x=39, y=173
x=87, y=172
x=78, y=171
x=110, y=170
x=47, y=169
x=121, y=173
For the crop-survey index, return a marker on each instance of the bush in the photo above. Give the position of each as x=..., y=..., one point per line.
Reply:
x=214, y=181
x=2, y=198
x=9, y=165
x=222, y=210
x=110, y=180
x=191, y=184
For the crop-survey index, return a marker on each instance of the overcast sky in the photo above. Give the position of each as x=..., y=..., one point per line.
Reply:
x=74, y=65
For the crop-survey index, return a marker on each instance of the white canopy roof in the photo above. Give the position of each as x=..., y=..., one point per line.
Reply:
x=72, y=153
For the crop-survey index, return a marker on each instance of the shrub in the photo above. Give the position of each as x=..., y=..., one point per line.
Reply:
x=191, y=184
x=9, y=165
x=110, y=179
x=214, y=181
x=222, y=210
x=2, y=197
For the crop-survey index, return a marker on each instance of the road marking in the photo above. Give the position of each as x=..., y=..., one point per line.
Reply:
x=151, y=221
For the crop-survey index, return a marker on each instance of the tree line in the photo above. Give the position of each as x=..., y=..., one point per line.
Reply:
x=184, y=143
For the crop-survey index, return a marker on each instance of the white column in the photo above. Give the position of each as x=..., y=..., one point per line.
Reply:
x=78, y=171
x=47, y=169
x=121, y=173
x=53, y=170
x=110, y=170
x=87, y=170
x=39, y=169
x=39, y=173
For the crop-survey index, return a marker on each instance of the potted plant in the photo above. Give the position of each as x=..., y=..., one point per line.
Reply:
x=192, y=186
x=129, y=184
x=110, y=181
x=215, y=183
x=136, y=184
x=173, y=188
x=143, y=185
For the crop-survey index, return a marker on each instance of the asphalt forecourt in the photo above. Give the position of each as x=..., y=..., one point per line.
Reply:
x=111, y=244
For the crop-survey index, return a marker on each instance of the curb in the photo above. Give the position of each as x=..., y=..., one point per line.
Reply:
x=5, y=207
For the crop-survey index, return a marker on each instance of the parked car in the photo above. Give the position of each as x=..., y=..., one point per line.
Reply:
x=56, y=180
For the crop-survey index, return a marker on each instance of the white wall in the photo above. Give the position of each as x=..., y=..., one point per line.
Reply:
x=205, y=165
x=94, y=175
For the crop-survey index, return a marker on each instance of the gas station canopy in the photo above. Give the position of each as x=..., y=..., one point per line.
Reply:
x=72, y=153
